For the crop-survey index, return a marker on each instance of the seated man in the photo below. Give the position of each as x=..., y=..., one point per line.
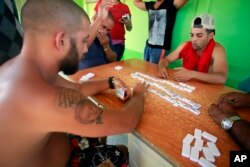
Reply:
x=202, y=58
x=89, y=151
x=101, y=50
x=38, y=107
x=224, y=113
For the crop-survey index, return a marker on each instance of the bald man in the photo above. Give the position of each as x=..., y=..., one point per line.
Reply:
x=37, y=107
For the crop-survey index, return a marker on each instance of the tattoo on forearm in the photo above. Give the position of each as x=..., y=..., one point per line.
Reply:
x=86, y=112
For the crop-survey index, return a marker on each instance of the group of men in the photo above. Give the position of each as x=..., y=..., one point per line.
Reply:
x=38, y=107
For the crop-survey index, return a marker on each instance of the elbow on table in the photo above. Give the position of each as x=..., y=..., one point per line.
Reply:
x=221, y=80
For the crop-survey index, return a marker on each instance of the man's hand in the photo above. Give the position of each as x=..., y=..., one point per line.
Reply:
x=219, y=112
x=103, y=39
x=140, y=88
x=236, y=99
x=103, y=8
x=118, y=83
x=183, y=75
x=162, y=69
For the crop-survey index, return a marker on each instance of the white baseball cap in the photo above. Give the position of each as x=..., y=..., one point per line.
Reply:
x=204, y=21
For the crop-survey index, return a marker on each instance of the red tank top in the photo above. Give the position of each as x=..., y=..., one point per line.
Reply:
x=192, y=61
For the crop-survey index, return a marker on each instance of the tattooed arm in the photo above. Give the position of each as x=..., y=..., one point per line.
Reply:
x=73, y=112
x=89, y=87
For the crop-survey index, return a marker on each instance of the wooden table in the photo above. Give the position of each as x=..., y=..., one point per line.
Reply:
x=162, y=125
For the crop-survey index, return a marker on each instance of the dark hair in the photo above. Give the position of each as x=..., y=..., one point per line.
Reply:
x=210, y=31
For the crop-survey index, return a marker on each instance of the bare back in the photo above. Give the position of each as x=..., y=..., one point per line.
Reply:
x=23, y=130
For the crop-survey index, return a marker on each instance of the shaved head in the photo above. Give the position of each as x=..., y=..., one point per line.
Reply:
x=46, y=15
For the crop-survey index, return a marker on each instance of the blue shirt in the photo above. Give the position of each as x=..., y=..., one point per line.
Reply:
x=95, y=56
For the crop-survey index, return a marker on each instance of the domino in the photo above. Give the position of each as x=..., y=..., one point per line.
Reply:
x=209, y=137
x=120, y=93
x=194, y=156
x=197, y=133
x=198, y=144
x=188, y=139
x=118, y=67
x=208, y=154
x=213, y=149
x=86, y=77
x=205, y=163
x=185, y=150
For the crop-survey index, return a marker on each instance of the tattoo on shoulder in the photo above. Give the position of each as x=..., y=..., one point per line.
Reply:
x=86, y=111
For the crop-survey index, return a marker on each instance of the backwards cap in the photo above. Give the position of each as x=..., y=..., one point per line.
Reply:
x=204, y=21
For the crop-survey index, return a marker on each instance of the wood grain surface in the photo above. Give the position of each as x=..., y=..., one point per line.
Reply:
x=162, y=125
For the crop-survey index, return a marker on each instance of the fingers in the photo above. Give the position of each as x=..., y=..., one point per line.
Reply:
x=163, y=73
x=222, y=98
x=212, y=109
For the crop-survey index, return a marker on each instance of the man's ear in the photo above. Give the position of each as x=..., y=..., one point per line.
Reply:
x=211, y=35
x=62, y=41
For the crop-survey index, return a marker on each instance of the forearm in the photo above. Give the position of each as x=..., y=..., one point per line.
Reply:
x=179, y=3
x=93, y=30
x=128, y=25
x=213, y=78
x=110, y=54
x=240, y=132
x=90, y=88
x=163, y=63
x=140, y=4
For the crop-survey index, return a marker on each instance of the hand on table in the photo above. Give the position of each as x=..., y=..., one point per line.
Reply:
x=221, y=111
x=236, y=99
x=140, y=88
x=162, y=73
x=182, y=75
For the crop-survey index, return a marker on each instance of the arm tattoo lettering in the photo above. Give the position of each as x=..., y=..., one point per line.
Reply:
x=86, y=111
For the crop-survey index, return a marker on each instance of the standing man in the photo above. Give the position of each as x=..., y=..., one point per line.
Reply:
x=161, y=15
x=101, y=50
x=203, y=58
x=122, y=23
x=37, y=107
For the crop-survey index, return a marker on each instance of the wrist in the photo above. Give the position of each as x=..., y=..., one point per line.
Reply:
x=111, y=82
x=228, y=122
x=105, y=48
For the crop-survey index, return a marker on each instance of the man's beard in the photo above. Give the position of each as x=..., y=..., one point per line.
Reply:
x=69, y=65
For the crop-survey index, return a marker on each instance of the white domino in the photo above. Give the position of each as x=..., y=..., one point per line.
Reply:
x=197, y=133
x=205, y=163
x=120, y=92
x=118, y=67
x=185, y=150
x=209, y=137
x=213, y=149
x=198, y=144
x=208, y=154
x=188, y=139
x=86, y=77
x=194, y=156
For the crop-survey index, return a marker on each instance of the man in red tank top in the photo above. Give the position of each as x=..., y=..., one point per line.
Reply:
x=202, y=57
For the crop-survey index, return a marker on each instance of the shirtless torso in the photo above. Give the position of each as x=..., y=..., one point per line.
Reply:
x=21, y=134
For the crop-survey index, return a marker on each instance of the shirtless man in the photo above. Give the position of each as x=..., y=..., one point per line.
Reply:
x=37, y=107
x=203, y=58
